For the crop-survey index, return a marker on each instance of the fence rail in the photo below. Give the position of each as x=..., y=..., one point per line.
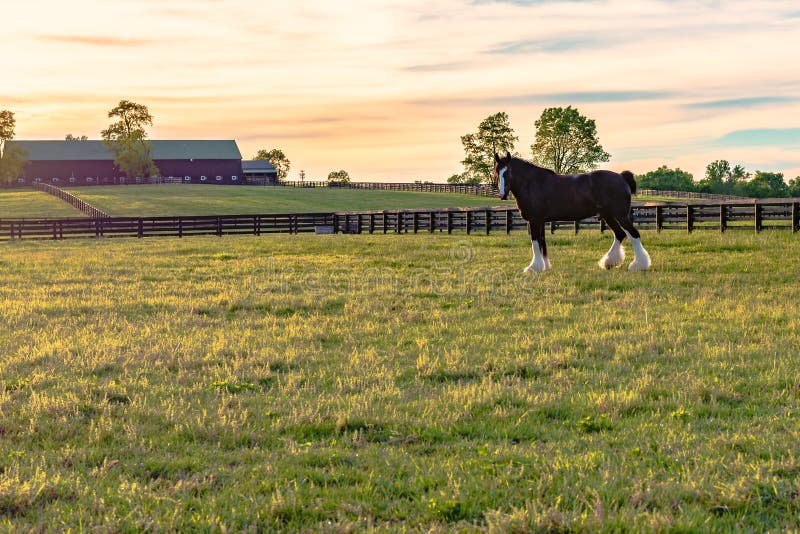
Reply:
x=755, y=216
x=468, y=189
x=689, y=195
x=71, y=199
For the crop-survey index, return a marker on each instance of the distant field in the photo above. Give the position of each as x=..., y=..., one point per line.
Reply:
x=179, y=199
x=399, y=383
x=18, y=204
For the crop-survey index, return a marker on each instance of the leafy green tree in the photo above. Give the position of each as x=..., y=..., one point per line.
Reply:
x=463, y=179
x=723, y=179
x=70, y=137
x=278, y=160
x=665, y=179
x=794, y=187
x=566, y=142
x=494, y=135
x=12, y=157
x=7, y=125
x=12, y=163
x=767, y=185
x=339, y=177
x=127, y=139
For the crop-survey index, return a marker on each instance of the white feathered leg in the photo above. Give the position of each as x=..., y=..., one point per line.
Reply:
x=641, y=259
x=614, y=257
x=538, y=262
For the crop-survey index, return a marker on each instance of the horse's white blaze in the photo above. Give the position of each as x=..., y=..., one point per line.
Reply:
x=614, y=257
x=502, y=174
x=641, y=259
x=538, y=263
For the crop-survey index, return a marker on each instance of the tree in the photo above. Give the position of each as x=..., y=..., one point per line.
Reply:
x=794, y=187
x=566, y=142
x=463, y=179
x=127, y=139
x=665, y=179
x=494, y=135
x=12, y=157
x=7, y=124
x=339, y=177
x=721, y=178
x=277, y=159
x=70, y=137
x=767, y=184
x=12, y=163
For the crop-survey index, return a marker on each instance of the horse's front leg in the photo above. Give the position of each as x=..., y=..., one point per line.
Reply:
x=539, y=262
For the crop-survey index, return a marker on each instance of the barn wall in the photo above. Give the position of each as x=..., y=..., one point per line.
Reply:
x=92, y=172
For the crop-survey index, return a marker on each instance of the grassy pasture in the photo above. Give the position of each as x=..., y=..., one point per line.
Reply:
x=179, y=199
x=30, y=204
x=330, y=382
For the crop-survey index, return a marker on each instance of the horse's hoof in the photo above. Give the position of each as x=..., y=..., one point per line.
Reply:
x=638, y=266
x=605, y=264
x=534, y=269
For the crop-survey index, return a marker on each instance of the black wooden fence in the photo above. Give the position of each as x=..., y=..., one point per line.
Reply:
x=756, y=216
x=467, y=189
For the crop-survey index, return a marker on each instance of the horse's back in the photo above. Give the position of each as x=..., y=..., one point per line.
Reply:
x=610, y=189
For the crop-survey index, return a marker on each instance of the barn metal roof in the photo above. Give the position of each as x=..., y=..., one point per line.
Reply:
x=257, y=166
x=96, y=150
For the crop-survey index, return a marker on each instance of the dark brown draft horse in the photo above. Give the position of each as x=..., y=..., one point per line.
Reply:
x=543, y=196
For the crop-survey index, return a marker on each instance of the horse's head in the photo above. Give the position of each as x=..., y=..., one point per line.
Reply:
x=502, y=174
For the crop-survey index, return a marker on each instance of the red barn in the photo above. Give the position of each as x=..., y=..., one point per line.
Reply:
x=91, y=163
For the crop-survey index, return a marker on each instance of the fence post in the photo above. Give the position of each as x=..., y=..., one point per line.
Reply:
x=335, y=223
x=371, y=223
x=469, y=222
x=659, y=218
x=385, y=222
x=140, y=233
x=449, y=222
x=723, y=218
x=509, y=221
x=689, y=218
x=795, y=216
x=488, y=215
x=432, y=221
x=399, y=221
x=577, y=226
x=415, y=221
x=757, y=215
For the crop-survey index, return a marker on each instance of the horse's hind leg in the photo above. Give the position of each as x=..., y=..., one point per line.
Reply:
x=616, y=254
x=641, y=259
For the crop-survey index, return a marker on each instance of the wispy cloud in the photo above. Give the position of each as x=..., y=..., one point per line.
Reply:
x=95, y=40
x=741, y=102
x=565, y=98
x=555, y=45
x=437, y=67
x=528, y=2
x=760, y=137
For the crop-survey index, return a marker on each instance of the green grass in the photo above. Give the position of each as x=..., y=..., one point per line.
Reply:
x=322, y=383
x=178, y=199
x=29, y=204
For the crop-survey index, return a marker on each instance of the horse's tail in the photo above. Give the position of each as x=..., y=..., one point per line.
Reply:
x=628, y=175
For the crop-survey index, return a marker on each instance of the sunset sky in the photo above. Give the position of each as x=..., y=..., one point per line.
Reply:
x=385, y=89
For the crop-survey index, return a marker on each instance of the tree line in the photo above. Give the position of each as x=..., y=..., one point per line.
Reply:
x=566, y=142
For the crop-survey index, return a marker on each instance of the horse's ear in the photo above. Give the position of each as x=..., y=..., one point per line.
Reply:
x=508, y=154
x=496, y=158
